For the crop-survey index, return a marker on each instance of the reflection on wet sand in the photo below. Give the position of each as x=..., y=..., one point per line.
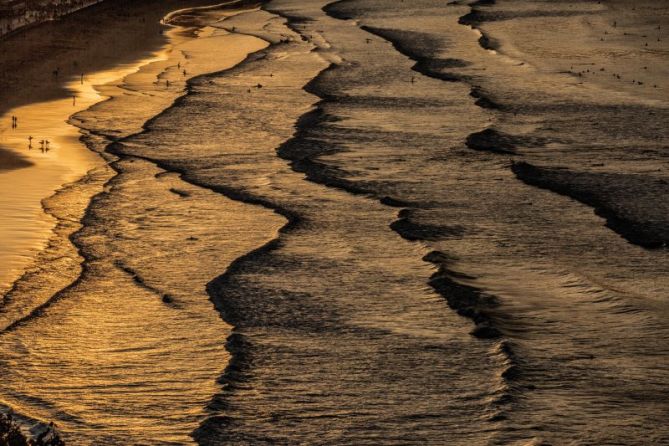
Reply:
x=35, y=134
x=343, y=181
x=41, y=134
x=135, y=333
x=47, y=76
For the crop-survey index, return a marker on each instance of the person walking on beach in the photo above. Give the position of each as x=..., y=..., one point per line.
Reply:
x=30, y=142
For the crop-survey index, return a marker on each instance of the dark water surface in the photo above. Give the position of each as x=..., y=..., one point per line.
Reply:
x=422, y=222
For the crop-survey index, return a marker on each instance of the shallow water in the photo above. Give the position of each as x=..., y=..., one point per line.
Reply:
x=560, y=278
x=357, y=199
x=130, y=351
x=24, y=228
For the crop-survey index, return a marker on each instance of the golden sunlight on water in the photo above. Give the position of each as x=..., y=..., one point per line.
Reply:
x=45, y=138
x=137, y=333
x=132, y=352
x=337, y=222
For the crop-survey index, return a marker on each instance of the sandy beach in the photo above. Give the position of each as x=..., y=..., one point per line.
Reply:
x=63, y=266
x=43, y=102
x=338, y=222
x=69, y=78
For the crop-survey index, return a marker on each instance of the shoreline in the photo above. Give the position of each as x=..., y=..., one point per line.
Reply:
x=277, y=189
x=47, y=104
x=99, y=137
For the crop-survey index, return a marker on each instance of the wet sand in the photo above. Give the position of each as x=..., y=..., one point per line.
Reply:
x=68, y=295
x=43, y=102
x=355, y=190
